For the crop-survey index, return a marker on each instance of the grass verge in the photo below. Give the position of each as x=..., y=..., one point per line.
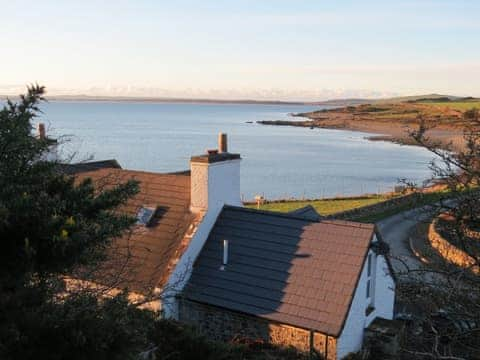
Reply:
x=332, y=206
x=324, y=206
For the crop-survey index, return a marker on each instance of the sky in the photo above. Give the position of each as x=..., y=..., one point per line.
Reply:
x=260, y=49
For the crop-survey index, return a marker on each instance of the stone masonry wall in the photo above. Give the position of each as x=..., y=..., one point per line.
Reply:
x=223, y=325
x=448, y=251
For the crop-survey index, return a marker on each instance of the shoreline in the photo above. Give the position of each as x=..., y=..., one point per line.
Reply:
x=390, y=131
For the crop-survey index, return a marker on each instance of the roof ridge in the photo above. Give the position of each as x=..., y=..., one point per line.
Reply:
x=268, y=212
x=308, y=206
x=354, y=224
x=170, y=174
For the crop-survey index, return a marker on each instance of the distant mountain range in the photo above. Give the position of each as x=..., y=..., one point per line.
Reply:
x=334, y=102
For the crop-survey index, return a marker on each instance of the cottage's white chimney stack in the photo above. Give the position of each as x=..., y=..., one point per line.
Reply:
x=215, y=179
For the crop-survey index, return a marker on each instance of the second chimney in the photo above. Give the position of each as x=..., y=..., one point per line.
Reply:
x=41, y=131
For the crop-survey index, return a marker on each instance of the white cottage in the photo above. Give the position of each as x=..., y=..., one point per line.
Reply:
x=290, y=279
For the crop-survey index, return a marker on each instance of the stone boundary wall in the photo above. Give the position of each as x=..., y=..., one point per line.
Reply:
x=448, y=251
x=224, y=325
x=380, y=207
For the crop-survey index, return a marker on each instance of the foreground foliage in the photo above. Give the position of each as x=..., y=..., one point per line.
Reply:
x=444, y=300
x=49, y=225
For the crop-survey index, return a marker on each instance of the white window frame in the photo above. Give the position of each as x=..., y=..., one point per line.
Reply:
x=370, y=282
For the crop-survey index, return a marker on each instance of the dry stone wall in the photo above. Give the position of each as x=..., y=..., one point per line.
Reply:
x=224, y=325
x=448, y=251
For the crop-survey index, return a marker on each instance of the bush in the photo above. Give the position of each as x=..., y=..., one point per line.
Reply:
x=471, y=114
x=79, y=328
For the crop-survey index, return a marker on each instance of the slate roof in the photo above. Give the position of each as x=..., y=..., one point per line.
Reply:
x=282, y=267
x=308, y=212
x=77, y=168
x=146, y=255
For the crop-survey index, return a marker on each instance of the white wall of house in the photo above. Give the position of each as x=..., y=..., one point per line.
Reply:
x=385, y=290
x=382, y=296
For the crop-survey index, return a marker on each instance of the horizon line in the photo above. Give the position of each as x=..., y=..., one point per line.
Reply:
x=166, y=99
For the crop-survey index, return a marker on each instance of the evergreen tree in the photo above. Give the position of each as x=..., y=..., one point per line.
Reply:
x=49, y=225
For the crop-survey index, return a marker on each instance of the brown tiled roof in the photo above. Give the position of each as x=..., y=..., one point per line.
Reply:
x=283, y=268
x=144, y=257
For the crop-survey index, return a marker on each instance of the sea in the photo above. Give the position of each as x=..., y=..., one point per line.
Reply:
x=277, y=161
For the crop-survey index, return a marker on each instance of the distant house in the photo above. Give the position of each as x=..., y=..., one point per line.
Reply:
x=290, y=279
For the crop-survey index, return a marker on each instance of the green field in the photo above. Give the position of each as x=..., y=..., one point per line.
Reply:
x=325, y=206
x=332, y=206
x=456, y=105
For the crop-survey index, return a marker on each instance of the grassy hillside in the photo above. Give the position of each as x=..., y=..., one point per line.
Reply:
x=455, y=105
x=438, y=111
x=415, y=98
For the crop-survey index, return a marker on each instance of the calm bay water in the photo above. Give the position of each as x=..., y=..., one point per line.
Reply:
x=277, y=161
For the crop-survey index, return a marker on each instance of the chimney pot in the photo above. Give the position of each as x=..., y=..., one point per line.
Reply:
x=222, y=143
x=41, y=131
x=225, y=252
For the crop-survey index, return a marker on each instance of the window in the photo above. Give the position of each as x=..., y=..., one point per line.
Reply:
x=369, y=265
x=370, y=283
x=145, y=215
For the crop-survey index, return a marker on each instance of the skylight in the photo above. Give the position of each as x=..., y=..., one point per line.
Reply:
x=145, y=215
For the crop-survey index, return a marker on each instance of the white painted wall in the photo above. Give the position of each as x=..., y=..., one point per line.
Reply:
x=224, y=183
x=351, y=338
x=385, y=290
